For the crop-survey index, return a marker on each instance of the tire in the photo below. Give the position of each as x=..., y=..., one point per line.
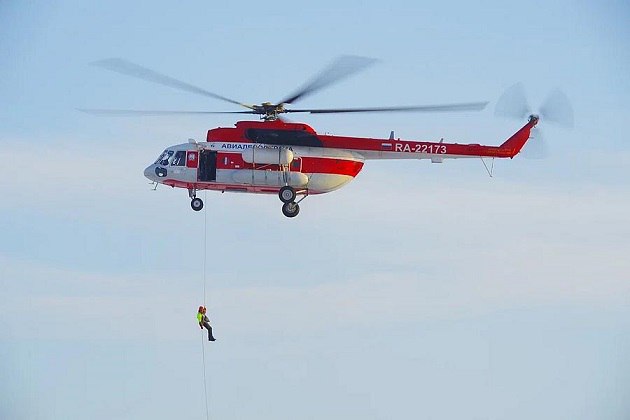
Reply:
x=286, y=194
x=290, y=209
x=196, y=204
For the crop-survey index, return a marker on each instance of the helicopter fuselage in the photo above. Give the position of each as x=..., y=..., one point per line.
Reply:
x=267, y=156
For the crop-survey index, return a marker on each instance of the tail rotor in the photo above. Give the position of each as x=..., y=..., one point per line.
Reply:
x=556, y=109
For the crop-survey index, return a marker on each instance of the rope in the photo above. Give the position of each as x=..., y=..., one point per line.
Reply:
x=203, y=347
x=205, y=383
x=205, y=247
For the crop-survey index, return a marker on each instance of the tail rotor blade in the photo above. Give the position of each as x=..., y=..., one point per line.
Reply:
x=513, y=103
x=557, y=109
x=536, y=147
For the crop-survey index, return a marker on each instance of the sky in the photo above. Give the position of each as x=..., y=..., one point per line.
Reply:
x=416, y=291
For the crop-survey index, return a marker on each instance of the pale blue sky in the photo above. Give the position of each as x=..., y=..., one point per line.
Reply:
x=418, y=291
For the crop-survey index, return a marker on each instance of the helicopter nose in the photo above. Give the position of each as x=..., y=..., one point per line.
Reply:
x=148, y=172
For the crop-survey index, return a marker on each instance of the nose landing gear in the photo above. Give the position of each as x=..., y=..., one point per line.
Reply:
x=195, y=203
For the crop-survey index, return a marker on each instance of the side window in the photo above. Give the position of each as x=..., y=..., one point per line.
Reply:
x=179, y=159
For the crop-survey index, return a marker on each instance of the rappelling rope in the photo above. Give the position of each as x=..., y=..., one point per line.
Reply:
x=205, y=248
x=205, y=383
x=203, y=346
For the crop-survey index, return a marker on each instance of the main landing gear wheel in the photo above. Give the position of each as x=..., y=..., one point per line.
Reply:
x=286, y=194
x=196, y=204
x=290, y=209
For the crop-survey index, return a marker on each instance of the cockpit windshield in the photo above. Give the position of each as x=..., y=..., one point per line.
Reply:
x=164, y=158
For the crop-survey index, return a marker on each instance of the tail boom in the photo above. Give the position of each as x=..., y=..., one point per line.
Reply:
x=403, y=149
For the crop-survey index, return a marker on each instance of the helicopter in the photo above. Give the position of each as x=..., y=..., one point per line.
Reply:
x=290, y=159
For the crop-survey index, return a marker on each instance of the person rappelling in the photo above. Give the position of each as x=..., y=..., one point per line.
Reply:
x=203, y=321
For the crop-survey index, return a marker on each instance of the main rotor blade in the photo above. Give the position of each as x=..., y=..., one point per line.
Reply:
x=339, y=69
x=472, y=106
x=128, y=68
x=557, y=109
x=133, y=112
x=512, y=103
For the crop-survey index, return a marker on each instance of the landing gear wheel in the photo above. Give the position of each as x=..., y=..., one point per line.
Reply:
x=286, y=194
x=290, y=209
x=196, y=204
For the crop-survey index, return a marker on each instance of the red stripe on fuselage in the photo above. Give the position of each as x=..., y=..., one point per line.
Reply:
x=310, y=165
x=335, y=166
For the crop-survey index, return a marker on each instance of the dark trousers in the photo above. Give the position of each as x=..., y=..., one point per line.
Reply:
x=209, y=328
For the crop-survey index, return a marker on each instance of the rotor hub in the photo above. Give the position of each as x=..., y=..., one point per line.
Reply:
x=269, y=111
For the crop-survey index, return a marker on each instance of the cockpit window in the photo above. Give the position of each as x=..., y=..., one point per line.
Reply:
x=164, y=158
x=179, y=159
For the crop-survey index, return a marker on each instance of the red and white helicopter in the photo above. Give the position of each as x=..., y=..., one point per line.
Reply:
x=291, y=159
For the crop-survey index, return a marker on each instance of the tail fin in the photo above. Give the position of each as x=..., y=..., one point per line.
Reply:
x=512, y=146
